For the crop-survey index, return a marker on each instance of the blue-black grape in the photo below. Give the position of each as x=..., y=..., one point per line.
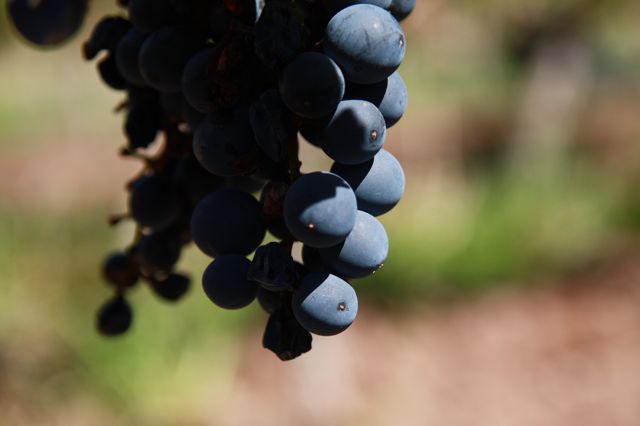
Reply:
x=378, y=184
x=273, y=268
x=192, y=116
x=324, y=304
x=127, y=53
x=158, y=252
x=108, y=71
x=400, y=9
x=144, y=118
x=194, y=181
x=320, y=209
x=172, y=287
x=153, y=202
x=114, y=317
x=119, y=270
x=225, y=282
x=284, y=335
x=172, y=106
x=105, y=36
x=272, y=200
x=280, y=34
x=226, y=148
x=46, y=23
x=247, y=11
x=366, y=42
x=164, y=55
x=334, y=6
x=250, y=184
x=196, y=85
x=355, y=133
x=312, y=85
x=313, y=130
x=390, y=96
x=312, y=260
x=151, y=15
x=270, y=301
x=362, y=253
x=272, y=125
x=227, y=222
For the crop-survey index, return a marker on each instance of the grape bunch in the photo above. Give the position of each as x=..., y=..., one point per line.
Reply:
x=217, y=94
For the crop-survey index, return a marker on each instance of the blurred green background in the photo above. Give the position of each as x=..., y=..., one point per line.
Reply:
x=522, y=157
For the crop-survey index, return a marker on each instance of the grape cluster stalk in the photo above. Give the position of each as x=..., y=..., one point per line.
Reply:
x=216, y=96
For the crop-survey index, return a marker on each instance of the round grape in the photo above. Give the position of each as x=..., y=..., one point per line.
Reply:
x=164, y=55
x=378, y=184
x=119, y=270
x=226, y=148
x=400, y=9
x=390, y=96
x=46, y=23
x=227, y=222
x=362, y=253
x=153, y=202
x=320, y=209
x=127, y=54
x=355, y=134
x=312, y=85
x=366, y=42
x=225, y=282
x=114, y=317
x=324, y=304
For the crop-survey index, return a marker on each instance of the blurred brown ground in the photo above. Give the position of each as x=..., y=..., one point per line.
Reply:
x=565, y=354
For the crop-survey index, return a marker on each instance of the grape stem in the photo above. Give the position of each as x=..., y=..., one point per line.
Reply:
x=294, y=161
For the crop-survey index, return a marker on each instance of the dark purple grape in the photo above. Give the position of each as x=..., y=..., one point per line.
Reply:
x=225, y=282
x=46, y=23
x=119, y=270
x=285, y=337
x=171, y=288
x=114, y=317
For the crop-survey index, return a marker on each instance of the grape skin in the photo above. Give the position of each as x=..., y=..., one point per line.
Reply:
x=119, y=271
x=320, y=209
x=127, y=53
x=171, y=288
x=312, y=85
x=150, y=15
x=46, y=23
x=335, y=6
x=362, y=253
x=355, y=133
x=269, y=301
x=158, y=252
x=390, y=96
x=378, y=184
x=163, y=56
x=226, y=149
x=195, y=82
x=324, y=304
x=366, y=42
x=225, y=282
x=401, y=9
x=153, y=202
x=227, y=222
x=114, y=317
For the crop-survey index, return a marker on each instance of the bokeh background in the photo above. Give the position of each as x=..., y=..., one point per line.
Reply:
x=511, y=295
